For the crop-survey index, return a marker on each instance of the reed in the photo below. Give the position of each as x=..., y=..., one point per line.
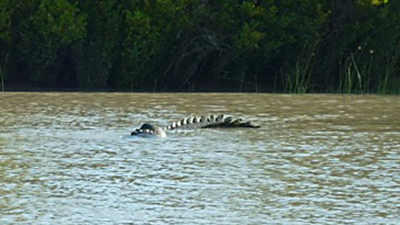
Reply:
x=2, y=80
x=298, y=80
x=387, y=83
x=383, y=83
x=347, y=80
x=358, y=72
x=2, y=73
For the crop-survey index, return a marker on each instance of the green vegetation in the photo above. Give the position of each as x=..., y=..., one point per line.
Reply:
x=303, y=46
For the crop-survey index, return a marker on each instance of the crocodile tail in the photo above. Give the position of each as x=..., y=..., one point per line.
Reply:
x=191, y=122
x=211, y=121
x=183, y=123
x=230, y=122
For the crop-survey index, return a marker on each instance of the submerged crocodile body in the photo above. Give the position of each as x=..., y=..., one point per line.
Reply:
x=212, y=121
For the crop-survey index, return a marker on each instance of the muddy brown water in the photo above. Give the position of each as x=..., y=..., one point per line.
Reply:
x=67, y=158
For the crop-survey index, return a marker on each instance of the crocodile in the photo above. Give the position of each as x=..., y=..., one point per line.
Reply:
x=211, y=121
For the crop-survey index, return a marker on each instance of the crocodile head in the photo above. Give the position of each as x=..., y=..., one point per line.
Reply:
x=149, y=130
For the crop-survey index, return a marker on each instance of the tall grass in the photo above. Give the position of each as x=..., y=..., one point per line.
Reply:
x=2, y=81
x=387, y=81
x=357, y=72
x=3, y=64
x=383, y=85
x=298, y=79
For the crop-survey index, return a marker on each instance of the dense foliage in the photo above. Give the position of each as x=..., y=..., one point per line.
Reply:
x=170, y=45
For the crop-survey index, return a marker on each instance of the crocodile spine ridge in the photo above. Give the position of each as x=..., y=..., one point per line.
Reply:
x=211, y=121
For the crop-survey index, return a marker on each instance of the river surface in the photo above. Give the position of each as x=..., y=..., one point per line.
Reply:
x=67, y=158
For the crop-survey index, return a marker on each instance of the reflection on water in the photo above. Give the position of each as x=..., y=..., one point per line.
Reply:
x=67, y=158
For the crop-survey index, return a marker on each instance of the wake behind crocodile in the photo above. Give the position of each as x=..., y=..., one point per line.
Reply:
x=193, y=122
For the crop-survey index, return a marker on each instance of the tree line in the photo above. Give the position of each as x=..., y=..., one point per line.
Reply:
x=345, y=46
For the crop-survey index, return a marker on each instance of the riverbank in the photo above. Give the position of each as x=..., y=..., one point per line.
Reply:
x=237, y=46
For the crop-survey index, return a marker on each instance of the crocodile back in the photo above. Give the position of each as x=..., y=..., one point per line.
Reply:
x=211, y=121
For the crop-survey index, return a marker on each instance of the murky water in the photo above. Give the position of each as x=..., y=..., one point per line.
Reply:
x=66, y=158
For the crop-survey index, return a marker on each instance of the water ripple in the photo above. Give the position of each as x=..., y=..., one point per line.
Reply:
x=68, y=158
